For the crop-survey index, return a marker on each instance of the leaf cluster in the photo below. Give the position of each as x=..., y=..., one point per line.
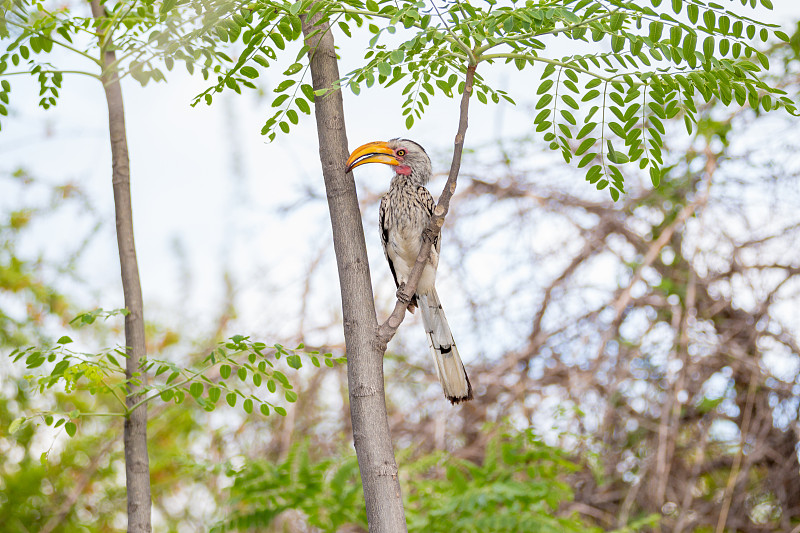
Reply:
x=519, y=485
x=327, y=491
x=144, y=36
x=601, y=110
x=243, y=366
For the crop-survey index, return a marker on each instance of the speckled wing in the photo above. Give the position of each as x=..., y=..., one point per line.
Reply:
x=383, y=222
x=426, y=199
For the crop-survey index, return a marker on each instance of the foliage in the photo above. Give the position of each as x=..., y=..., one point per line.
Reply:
x=102, y=372
x=35, y=487
x=660, y=63
x=521, y=485
x=44, y=485
x=601, y=110
x=327, y=492
x=146, y=36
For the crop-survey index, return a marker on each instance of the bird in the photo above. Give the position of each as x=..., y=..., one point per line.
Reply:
x=404, y=214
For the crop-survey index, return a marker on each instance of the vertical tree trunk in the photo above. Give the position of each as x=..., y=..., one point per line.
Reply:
x=364, y=352
x=137, y=464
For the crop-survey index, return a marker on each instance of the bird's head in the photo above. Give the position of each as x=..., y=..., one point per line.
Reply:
x=407, y=157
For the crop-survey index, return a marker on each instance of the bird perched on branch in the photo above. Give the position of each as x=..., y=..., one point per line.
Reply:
x=405, y=213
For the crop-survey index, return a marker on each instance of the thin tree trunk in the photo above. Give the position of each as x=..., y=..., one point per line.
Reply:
x=371, y=436
x=137, y=464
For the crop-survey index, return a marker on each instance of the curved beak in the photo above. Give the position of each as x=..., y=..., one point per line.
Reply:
x=374, y=152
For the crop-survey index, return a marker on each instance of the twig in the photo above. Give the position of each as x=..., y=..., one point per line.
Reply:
x=737, y=461
x=387, y=330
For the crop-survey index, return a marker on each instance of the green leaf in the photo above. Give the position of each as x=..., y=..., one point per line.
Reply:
x=544, y=86
x=231, y=398
x=585, y=145
x=594, y=173
x=675, y=36
x=196, y=389
x=294, y=361
x=689, y=44
x=570, y=101
x=617, y=43
x=656, y=29
x=278, y=40
x=70, y=428
x=264, y=409
x=271, y=386
x=693, y=12
x=280, y=410
x=249, y=71
x=763, y=59
x=167, y=6
x=248, y=406
x=15, y=425
x=214, y=394
x=384, y=69
x=710, y=19
x=586, y=129
x=291, y=396
x=588, y=158
x=64, y=340
x=60, y=367
x=617, y=19
x=655, y=176
x=708, y=47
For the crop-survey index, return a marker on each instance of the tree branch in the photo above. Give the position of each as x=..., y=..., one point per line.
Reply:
x=389, y=327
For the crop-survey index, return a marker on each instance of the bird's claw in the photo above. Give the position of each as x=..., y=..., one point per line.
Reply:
x=401, y=294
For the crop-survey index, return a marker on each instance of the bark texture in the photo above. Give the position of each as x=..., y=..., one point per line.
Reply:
x=137, y=464
x=371, y=435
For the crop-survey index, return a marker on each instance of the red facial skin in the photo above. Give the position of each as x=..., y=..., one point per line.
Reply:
x=403, y=170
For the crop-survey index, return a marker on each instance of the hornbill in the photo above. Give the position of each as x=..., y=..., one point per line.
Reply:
x=404, y=214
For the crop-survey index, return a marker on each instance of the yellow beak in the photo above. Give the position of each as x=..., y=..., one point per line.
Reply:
x=374, y=152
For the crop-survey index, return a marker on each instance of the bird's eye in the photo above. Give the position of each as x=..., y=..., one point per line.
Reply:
x=401, y=152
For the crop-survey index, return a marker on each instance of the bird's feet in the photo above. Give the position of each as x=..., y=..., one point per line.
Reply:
x=409, y=300
x=402, y=295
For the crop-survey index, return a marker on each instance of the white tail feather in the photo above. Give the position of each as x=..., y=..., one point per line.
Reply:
x=449, y=368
